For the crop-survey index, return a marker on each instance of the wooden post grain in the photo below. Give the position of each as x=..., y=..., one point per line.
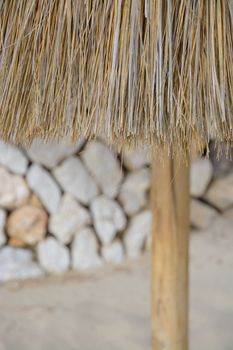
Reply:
x=170, y=205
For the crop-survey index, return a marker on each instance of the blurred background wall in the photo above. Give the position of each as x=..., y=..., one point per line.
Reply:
x=78, y=207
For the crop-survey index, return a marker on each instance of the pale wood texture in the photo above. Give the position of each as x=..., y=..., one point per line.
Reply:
x=170, y=205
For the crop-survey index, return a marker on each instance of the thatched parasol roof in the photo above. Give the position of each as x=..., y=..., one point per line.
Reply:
x=151, y=71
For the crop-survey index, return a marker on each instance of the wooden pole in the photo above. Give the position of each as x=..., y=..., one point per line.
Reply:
x=170, y=206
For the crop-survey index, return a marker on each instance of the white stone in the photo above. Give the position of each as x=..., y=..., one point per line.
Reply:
x=69, y=218
x=16, y=255
x=137, y=158
x=201, y=214
x=13, y=158
x=104, y=166
x=2, y=227
x=52, y=153
x=53, y=257
x=42, y=183
x=13, y=190
x=148, y=245
x=2, y=218
x=108, y=218
x=17, y=263
x=113, y=253
x=85, y=250
x=74, y=178
x=220, y=193
x=228, y=214
x=135, y=236
x=201, y=174
x=133, y=191
x=2, y=237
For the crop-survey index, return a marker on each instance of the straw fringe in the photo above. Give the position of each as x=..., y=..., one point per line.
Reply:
x=158, y=72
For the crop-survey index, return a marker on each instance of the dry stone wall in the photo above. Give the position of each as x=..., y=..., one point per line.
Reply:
x=78, y=207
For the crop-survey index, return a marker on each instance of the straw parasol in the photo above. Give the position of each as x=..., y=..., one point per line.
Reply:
x=155, y=72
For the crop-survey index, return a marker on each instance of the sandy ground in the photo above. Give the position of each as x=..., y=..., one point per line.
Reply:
x=110, y=311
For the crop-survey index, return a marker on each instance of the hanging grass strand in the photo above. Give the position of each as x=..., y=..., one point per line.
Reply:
x=152, y=71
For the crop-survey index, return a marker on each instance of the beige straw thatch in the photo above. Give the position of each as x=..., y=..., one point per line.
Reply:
x=156, y=71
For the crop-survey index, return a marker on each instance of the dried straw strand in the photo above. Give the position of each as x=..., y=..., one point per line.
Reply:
x=153, y=71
